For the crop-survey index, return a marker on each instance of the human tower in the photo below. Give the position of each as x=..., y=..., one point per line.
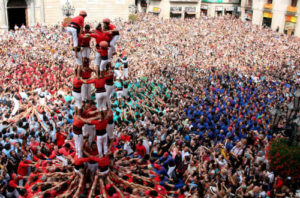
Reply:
x=94, y=120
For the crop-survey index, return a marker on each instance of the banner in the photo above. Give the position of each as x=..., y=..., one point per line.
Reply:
x=292, y=19
x=268, y=15
x=213, y=1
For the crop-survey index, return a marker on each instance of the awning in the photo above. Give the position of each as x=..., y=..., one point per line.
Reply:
x=204, y=7
x=191, y=13
x=219, y=8
x=156, y=10
x=176, y=12
x=229, y=9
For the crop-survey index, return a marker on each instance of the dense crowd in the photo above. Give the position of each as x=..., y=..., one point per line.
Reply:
x=189, y=106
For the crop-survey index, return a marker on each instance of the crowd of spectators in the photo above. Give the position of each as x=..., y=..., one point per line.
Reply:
x=191, y=119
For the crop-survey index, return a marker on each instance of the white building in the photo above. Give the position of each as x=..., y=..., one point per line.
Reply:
x=30, y=12
x=280, y=15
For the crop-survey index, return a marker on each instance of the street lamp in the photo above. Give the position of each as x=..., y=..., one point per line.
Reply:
x=297, y=100
x=68, y=9
x=132, y=9
x=292, y=119
x=276, y=115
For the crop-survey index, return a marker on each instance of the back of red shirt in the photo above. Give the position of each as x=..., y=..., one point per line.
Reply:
x=79, y=20
x=99, y=125
x=77, y=122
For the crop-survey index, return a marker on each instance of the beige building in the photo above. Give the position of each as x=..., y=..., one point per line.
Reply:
x=193, y=8
x=31, y=12
x=279, y=15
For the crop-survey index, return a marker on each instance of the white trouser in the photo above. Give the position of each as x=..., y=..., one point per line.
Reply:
x=78, y=59
x=86, y=51
x=109, y=90
x=119, y=94
x=78, y=139
x=78, y=99
x=101, y=101
x=98, y=59
x=126, y=73
x=12, y=194
x=16, y=106
x=73, y=32
x=63, y=159
x=113, y=43
x=93, y=167
x=90, y=131
x=110, y=52
x=103, y=173
x=86, y=92
x=102, y=141
x=78, y=172
x=125, y=92
x=103, y=65
x=171, y=171
x=110, y=130
x=117, y=73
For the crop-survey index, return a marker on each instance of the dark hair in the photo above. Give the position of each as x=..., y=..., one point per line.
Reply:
x=111, y=191
x=99, y=26
x=153, y=193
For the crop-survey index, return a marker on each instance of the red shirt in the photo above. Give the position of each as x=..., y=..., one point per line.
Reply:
x=103, y=51
x=85, y=42
x=65, y=152
x=111, y=115
x=100, y=36
x=109, y=78
x=86, y=114
x=77, y=125
x=22, y=169
x=86, y=74
x=99, y=125
x=98, y=82
x=77, y=83
x=125, y=138
x=102, y=162
x=141, y=150
x=80, y=161
x=79, y=20
x=91, y=152
x=60, y=139
x=111, y=27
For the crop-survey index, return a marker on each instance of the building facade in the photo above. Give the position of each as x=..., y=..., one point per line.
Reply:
x=193, y=8
x=31, y=12
x=279, y=15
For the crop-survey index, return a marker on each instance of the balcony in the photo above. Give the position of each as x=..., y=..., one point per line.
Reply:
x=291, y=9
x=268, y=6
x=188, y=1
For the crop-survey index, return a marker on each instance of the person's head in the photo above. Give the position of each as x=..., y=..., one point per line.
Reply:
x=140, y=142
x=67, y=146
x=83, y=13
x=94, y=145
x=99, y=27
x=87, y=28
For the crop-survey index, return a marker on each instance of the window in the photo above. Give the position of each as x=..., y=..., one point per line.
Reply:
x=294, y=3
x=249, y=3
x=270, y=1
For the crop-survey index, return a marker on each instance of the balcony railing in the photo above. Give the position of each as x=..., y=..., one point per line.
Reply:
x=291, y=9
x=192, y=1
x=268, y=6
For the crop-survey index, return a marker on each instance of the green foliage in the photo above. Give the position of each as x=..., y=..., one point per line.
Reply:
x=133, y=17
x=284, y=159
